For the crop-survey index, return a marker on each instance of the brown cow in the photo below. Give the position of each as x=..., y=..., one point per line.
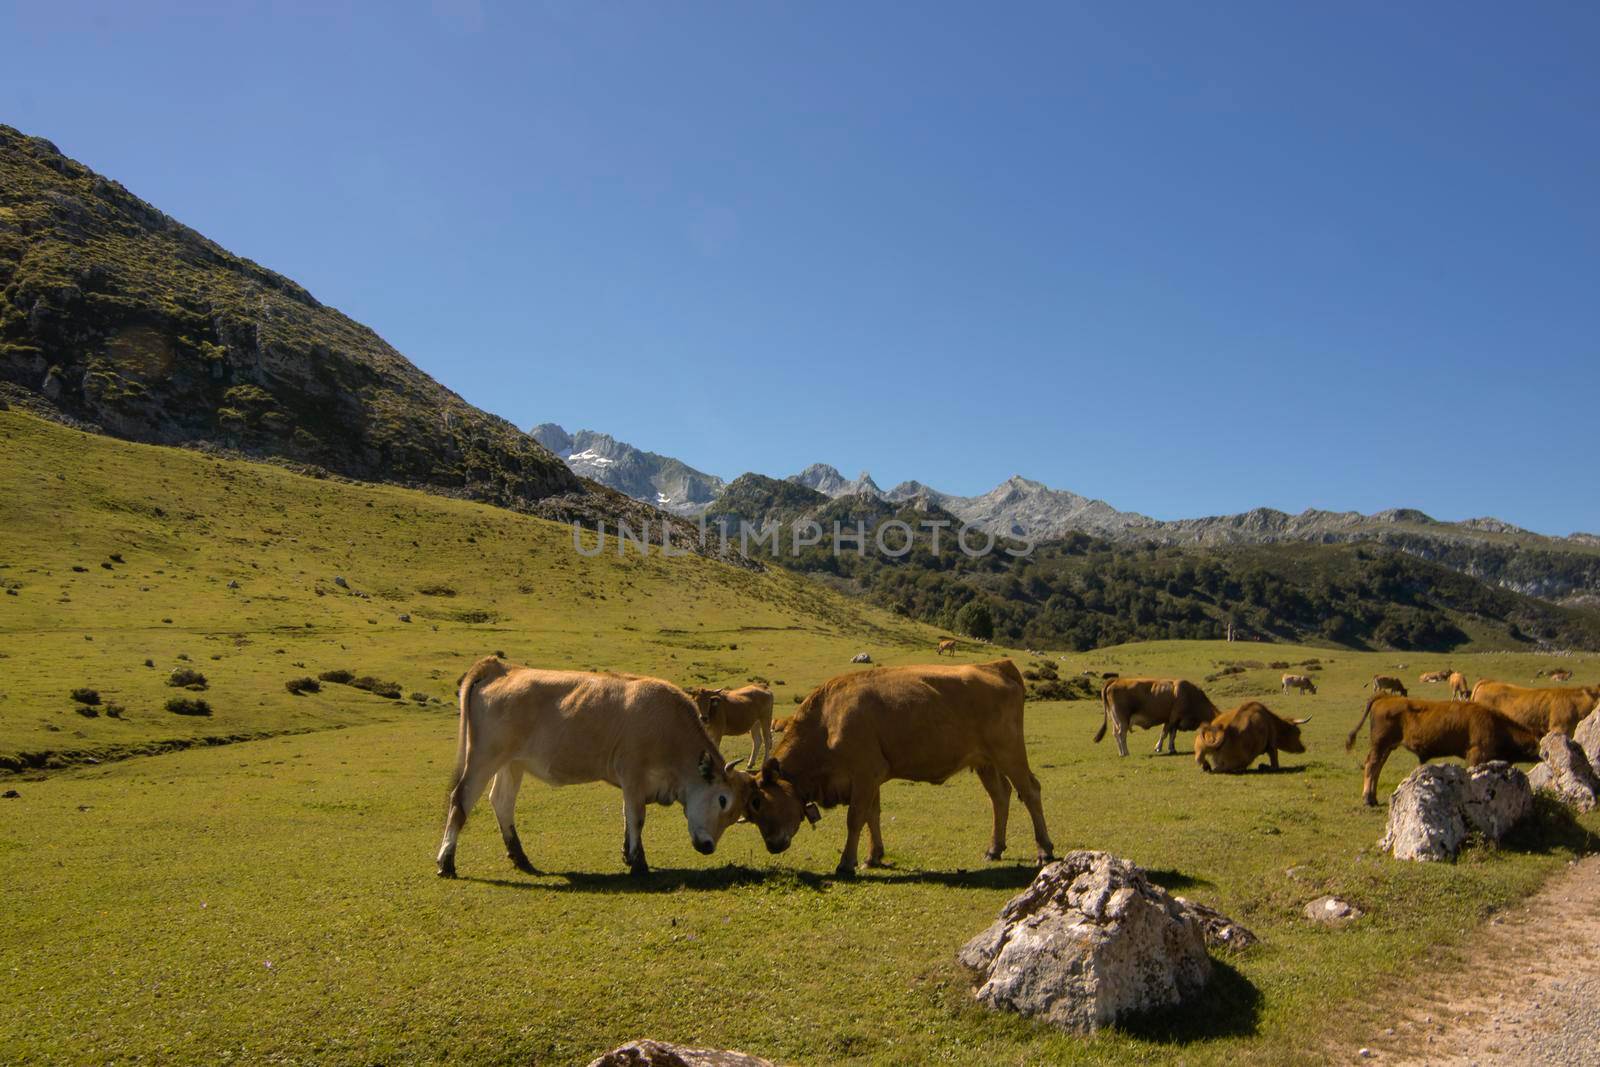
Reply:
x=1172, y=703
x=1540, y=710
x=921, y=724
x=1383, y=683
x=1235, y=739
x=1301, y=682
x=642, y=735
x=947, y=645
x=726, y=713
x=1431, y=677
x=1459, y=689
x=1560, y=674
x=1435, y=728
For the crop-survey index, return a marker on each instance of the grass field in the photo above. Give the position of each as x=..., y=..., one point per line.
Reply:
x=274, y=900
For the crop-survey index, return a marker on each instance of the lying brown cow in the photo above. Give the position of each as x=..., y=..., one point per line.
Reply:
x=1301, y=682
x=947, y=645
x=1234, y=740
x=642, y=735
x=1560, y=674
x=921, y=724
x=1459, y=689
x=1432, y=677
x=1171, y=703
x=1383, y=683
x=1540, y=710
x=1435, y=728
x=726, y=713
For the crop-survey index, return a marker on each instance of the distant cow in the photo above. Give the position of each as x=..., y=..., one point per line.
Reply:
x=1560, y=674
x=947, y=645
x=726, y=713
x=1235, y=739
x=861, y=657
x=1171, y=703
x=1383, y=683
x=1459, y=689
x=1301, y=682
x=1432, y=677
x=642, y=735
x=1432, y=729
x=921, y=724
x=1540, y=710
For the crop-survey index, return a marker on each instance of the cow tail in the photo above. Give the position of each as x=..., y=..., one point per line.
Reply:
x=1105, y=709
x=1350, y=742
x=487, y=668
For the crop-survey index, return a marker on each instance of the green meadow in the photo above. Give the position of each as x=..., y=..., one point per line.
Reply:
x=257, y=884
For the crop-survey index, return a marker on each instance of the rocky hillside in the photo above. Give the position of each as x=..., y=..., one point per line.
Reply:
x=121, y=319
x=667, y=483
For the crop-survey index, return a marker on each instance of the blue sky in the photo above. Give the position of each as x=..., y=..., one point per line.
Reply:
x=1187, y=258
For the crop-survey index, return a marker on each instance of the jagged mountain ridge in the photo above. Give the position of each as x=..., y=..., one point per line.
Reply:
x=667, y=483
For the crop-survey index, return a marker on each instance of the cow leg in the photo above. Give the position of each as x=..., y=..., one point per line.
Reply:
x=1370, y=771
x=1000, y=796
x=1161, y=738
x=766, y=739
x=1272, y=754
x=633, y=833
x=862, y=800
x=875, y=833
x=503, y=798
x=1027, y=787
x=755, y=745
x=1119, y=732
x=474, y=780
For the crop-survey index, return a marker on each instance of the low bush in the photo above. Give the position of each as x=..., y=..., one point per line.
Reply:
x=85, y=695
x=187, y=678
x=387, y=690
x=298, y=686
x=187, y=706
x=338, y=677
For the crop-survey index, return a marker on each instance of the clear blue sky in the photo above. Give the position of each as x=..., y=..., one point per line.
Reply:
x=1190, y=258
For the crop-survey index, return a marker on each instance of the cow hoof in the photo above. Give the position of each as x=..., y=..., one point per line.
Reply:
x=446, y=870
x=876, y=863
x=1046, y=857
x=846, y=873
x=993, y=854
x=523, y=864
x=638, y=870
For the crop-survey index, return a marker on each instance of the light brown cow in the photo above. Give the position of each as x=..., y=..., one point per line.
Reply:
x=947, y=645
x=921, y=724
x=1383, y=683
x=642, y=735
x=1540, y=710
x=1171, y=703
x=1301, y=682
x=725, y=713
x=1432, y=729
x=1235, y=739
x=1459, y=689
x=1560, y=674
x=1432, y=677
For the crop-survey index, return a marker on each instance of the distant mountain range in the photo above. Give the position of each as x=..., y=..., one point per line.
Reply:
x=669, y=484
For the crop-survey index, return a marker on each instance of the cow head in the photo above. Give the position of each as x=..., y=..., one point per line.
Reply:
x=709, y=704
x=713, y=801
x=776, y=807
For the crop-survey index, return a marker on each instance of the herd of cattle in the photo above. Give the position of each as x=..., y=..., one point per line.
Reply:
x=659, y=744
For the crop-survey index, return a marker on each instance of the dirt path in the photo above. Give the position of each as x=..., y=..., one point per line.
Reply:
x=1527, y=993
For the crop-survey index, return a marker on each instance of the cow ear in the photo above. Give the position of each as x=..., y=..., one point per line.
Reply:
x=769, y=771
x=813, y=816
x=708, y=767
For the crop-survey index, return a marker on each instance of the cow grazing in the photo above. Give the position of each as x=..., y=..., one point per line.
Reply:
x=1459, y=689
x=1301, y=682
x=947, y=645
x=725, y=713
x=1383, y=683
x=1433, y=677
x=1540, y=710
x=921, y=724
x=1234, y=740
x=1171, y=703
x=1560, y=674
x=1432, y=729
x=642, y=735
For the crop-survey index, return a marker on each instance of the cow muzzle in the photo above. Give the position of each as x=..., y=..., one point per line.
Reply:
x=776, y=847
x=704, y=846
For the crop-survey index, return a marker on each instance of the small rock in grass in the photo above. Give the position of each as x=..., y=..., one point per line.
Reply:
x=1331, y=911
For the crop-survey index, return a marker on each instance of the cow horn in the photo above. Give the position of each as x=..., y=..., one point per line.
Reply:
x=734, y=762
x=1301, y=722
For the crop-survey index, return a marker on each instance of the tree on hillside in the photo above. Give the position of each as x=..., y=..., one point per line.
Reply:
x=975, y=620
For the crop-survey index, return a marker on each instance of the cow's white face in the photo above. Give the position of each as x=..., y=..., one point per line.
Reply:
x=714, y=802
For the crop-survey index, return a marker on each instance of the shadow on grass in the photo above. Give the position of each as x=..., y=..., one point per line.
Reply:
x=659, y=880
x=1009, y=877
x=1172, y=880
x=1551, y=829
x=1229, y=1006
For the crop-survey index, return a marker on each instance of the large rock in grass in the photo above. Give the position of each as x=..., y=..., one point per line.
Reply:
x=647, y=1053
x=1564, y=772
x=1438, y=805
x=1090, y=941
x=1587, y=734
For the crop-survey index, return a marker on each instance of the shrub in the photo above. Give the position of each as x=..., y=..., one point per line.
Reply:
x=387, y=690
x=114, y=711
x=338, y=677
x=85, y=695
x=975, y=620
x=420, y=698
x=187, y=678
x=87, y=712
x=149, y=663
x=436, y=590
x=303, y=685
x=186, y=706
